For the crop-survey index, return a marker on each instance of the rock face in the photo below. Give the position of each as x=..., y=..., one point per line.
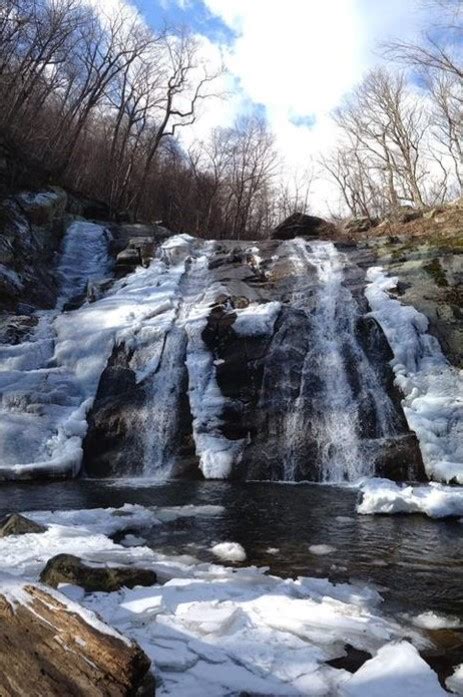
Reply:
x=300, y=225
x=16, y=524
x=65, y=568
x=50, y=647
x=31, y=228
x=260, y=364
x=430, y=273
x=113, y=441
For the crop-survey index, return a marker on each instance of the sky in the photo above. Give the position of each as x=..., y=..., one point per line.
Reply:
x=294, y=61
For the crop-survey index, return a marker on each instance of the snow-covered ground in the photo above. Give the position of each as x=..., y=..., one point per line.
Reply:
x=217, y=631
x=433, y=389
x=434, y=500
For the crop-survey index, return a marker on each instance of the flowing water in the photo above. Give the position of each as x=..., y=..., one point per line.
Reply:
x=414, y=561
x=331, y=411
x=37, y=390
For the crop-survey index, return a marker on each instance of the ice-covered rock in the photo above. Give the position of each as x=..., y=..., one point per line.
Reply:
x=432, y=388
x=434, y=500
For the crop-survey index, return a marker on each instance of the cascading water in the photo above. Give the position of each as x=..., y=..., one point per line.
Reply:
x=328, y=409
x=38, y=391
x=233, y=359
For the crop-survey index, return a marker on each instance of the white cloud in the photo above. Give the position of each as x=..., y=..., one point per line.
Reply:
x=299, y=58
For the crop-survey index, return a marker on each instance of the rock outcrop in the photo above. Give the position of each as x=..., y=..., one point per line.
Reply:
x=301, y=225
x=66, y=568
x=16, y=524
x=49, y=646
x=31, y=229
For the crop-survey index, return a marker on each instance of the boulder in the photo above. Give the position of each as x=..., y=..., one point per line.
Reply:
x=51, y=646
x=65, y=568
x=43, y=207
x=301, y=225
x=400, y=459
x=16, y=524
x=362, y=224
x=405, y=214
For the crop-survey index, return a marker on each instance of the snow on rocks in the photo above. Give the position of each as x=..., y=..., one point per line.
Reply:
x=50, y=644
x=229, y=551
x=215, y=630
x=455, y=681
x=49, y=384
x=433, y=390
x=398, y=670
x=257, y=319
x=386, y=497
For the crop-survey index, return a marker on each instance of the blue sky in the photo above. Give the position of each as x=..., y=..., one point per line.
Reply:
x=194, y=15
x=293, y=61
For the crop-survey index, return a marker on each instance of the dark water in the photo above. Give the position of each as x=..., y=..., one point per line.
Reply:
x=417, y=563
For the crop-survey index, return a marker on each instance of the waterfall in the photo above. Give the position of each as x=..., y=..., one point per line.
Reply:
x=40, y=397
x=328, y=407
x=84, y=259
x=231, y=359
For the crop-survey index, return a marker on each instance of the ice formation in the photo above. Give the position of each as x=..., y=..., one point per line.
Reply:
x=219, y=631
x=434, y=500
x=433, y=389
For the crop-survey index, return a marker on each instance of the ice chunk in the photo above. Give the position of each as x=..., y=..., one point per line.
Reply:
x=434, y=500
x=321, y=550
x=229, y=551
x=396, y=670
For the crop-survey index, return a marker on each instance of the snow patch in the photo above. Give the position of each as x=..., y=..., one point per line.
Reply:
x=257, y=319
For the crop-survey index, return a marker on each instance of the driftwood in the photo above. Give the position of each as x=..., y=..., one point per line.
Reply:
x=48, y=648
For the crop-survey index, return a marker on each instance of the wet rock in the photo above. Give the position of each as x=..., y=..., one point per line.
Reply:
x=48, y=647
x=6, y=251
x=112, y=446
x=115, y=441
x=130, y=257
x=300, y=225
x=14, y=329
x=66, y=568
x=31, y=228
x=16, y=524
x=400, y=459
x=351, y=661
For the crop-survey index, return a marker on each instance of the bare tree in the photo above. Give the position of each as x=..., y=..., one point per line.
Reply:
x=386, y=127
